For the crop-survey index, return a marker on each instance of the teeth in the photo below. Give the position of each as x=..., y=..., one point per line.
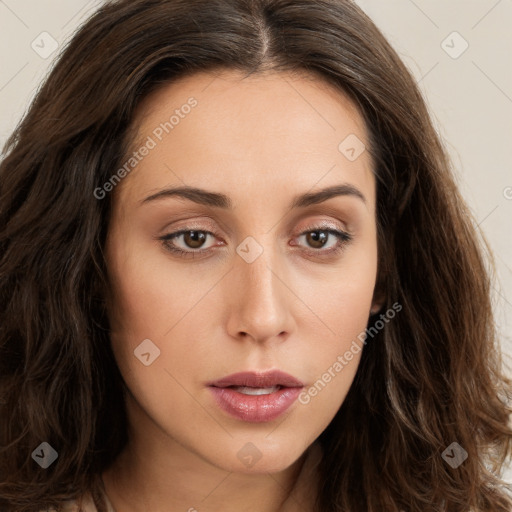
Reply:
x=255, y=391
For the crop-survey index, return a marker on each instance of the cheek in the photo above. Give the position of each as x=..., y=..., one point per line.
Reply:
x=340, y=299
x=150, y=296
x=171, y=307
x=147, y=331
x=331, y=368
x=335, y=331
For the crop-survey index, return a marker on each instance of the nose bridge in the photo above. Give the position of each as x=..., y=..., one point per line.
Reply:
x=259, y=298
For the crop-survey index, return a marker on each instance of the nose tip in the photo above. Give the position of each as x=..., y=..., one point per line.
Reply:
x=259, y=302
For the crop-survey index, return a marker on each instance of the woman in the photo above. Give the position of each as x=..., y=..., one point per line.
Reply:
x=236, y=273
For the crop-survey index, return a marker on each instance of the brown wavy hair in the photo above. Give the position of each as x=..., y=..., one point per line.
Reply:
x=431, y=377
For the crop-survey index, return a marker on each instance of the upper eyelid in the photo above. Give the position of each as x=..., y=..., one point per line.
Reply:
x=314, y=226
x=197, y=225
x=333, y=231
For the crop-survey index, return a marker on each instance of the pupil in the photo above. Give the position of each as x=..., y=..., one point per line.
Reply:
x=317, y=236
x=197, y=237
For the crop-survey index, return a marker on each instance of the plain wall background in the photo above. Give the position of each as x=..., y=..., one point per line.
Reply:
x=458, y=50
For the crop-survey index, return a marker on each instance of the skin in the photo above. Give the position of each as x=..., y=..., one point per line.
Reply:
x=260, y=140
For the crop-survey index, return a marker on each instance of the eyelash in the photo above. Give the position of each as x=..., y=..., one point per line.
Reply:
x=343, y=239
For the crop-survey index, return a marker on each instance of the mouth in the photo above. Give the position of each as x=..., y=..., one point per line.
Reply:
x=256, y=396
x=247, y=390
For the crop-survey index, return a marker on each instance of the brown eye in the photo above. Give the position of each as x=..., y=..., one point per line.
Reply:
x=194, y=239
x=324, y=241
x=187, y=242
x=317, y=239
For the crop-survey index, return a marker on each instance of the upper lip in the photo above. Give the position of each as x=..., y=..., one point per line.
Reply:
x=258, y=380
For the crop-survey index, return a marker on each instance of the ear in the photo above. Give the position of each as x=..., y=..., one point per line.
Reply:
x=379, y=295
x=377, y=303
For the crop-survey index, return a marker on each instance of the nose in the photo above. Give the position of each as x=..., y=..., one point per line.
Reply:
x=259, y=301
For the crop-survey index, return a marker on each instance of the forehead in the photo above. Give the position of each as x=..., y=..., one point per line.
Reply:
x=255, y=132
x=294, y=90
x=264, y=102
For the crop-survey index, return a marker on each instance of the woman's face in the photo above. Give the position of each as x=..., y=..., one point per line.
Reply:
x=264, y=281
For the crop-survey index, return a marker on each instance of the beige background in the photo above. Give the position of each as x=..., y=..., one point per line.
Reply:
x=469, y=91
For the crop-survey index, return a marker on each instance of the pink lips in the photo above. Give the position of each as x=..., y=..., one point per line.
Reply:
x=230, y=394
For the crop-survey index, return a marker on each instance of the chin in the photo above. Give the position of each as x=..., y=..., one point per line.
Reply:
x=257, y=454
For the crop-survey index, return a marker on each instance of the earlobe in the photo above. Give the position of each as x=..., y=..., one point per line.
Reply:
x=379, y=299
x=376, y=307
x=379, y=292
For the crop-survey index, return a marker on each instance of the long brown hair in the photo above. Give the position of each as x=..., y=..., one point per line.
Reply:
x=429, y=378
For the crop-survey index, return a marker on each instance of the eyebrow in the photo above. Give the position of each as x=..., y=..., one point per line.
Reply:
x=217, y=200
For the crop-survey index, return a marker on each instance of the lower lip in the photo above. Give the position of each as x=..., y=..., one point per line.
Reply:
x=255, y=408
